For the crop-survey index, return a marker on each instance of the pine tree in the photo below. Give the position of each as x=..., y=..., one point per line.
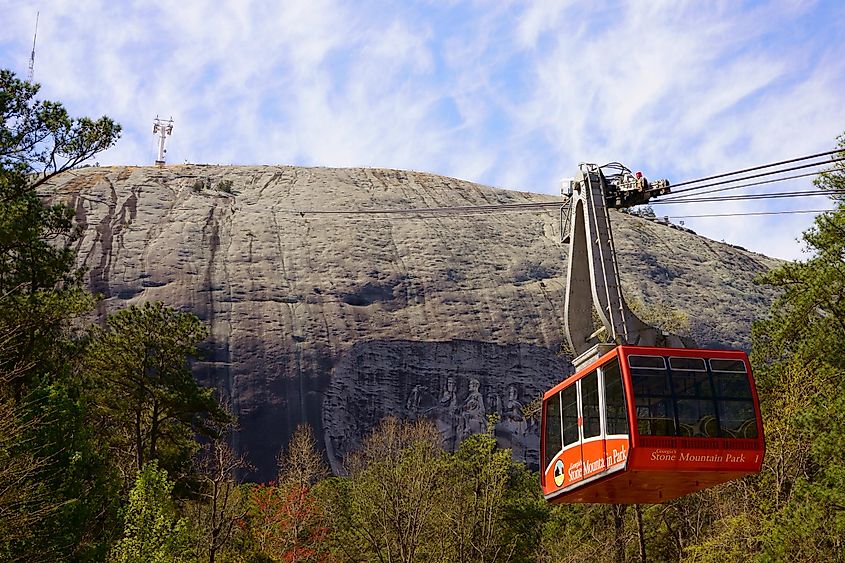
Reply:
x=150, y=405
x=799, y=353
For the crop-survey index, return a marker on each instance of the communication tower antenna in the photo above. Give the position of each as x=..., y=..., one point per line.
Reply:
x=164, y=129
x=32, y=55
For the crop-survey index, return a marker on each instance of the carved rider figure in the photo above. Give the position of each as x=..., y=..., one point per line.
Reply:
x=473, y=413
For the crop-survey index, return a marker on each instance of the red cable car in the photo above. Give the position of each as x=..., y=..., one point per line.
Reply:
x=646, y=425
x=649, y=417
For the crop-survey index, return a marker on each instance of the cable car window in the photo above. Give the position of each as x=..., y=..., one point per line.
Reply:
x=655, y=416
x=552, y=442
x=655, y=406
x=614, y=399
x=590, y=405
x=730, y=379
x=569, y=399
x=653, y=362
x=738, y=419
x=736, y=366
x=689, y=377
x=735, y=400
x=697, y=418
x=732, y=385
x=696, y=409
x=650, y=379
x=693, y=364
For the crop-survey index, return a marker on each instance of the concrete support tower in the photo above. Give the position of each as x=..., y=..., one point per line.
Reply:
x=164, y=129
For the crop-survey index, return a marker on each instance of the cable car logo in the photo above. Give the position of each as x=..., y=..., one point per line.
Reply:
x=559, y=473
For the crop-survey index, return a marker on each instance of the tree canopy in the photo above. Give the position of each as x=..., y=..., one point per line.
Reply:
x=151, y=406
x=64, y=494
x=152, y=533
x=39, y=136
x=799, y=353
x=40, y=289
x=60, y=482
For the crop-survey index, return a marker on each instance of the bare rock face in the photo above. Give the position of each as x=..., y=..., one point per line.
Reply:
x=339, y=320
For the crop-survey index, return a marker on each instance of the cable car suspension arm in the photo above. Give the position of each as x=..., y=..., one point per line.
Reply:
x=592, y=273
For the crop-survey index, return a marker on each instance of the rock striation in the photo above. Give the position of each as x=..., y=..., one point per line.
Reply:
x=338, y=320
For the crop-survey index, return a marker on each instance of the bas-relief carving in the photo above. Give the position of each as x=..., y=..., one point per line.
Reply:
x=455, y=390
x=457, y=419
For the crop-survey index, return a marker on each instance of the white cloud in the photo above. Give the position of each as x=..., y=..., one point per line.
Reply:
x=514, y=94
x=688, y=90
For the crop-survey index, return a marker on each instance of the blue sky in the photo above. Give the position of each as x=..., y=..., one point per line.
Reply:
x=509, y=94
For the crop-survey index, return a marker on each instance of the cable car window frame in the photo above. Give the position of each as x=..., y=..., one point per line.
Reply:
x=612, y=378
x=550, y=451
x=738, y=377
x=575, y=427
x=721, y=400
x=591, y=425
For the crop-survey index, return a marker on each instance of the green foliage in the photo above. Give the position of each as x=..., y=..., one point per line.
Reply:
x=225, y=186
x=799, y=354
x=61, y=501
x=731, y=538
x=149, y=404
x=833, y=178
x=40, y=290
x=808, y=319
x=575, y=533
x=39, y=136
x=65, y=487
x=390, y=507
x=408, y=500
x=21, y=497
x=76, y=482
x=152, y=531
x=665, y=317
x=495, y=506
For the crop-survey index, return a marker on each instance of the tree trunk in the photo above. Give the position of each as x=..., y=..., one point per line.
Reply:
x=215, y=525
x=154, y=430
x=618, y=528
x=139, y=440
x=640, y=533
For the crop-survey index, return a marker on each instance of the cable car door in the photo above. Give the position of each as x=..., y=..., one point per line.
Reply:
x=568, y=469
x=593, y=454
x=614, y=416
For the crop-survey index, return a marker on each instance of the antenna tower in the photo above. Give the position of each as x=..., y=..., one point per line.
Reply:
x=164, y=129
x=32, y=55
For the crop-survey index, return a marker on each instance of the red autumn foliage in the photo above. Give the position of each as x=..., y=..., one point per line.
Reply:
x=286, y=523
